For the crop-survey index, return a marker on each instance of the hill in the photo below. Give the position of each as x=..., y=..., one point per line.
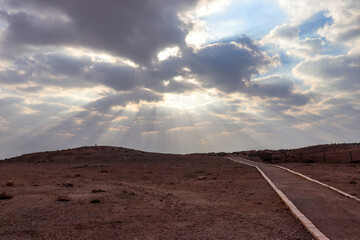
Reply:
x=104, y=192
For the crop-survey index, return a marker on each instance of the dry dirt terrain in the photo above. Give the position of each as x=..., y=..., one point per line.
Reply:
x=117, y=193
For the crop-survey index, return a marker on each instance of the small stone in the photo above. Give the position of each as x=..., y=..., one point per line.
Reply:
x=10, y=184
x=67, y=184
x=97, y=190
x=201, y=177
x=63, y=199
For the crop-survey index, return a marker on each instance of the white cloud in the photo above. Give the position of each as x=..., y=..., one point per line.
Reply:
x=345, y=27
x=286, y=37
x=331, y=73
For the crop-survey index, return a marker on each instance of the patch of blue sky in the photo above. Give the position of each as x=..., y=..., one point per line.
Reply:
x=254, y=18
x=334, y=49
x=286, y=66
x=309, y=28
x=2, y=26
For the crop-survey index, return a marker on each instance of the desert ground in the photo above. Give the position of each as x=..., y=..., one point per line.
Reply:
x=116, y=193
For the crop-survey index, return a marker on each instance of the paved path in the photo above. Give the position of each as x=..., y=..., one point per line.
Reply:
x=336, y=216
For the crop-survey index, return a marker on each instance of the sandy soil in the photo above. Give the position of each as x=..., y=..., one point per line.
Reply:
x=345, y=177
x=142, y=196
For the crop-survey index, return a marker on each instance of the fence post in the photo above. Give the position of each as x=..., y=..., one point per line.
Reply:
x=350, y=157
x=300, y=157
x=324, y=156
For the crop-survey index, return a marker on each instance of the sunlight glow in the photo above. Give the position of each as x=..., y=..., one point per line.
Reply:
x=169, y=52
x=199, y=35
x=187, y=101
x=207, y=7
x=97, y=56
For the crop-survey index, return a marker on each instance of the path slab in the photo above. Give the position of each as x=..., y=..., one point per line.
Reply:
x=335, y=215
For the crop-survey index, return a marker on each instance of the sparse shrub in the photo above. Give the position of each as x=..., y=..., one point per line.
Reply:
x=4, y=195
x=266, y=157
x=95, y=201
x=353, y=182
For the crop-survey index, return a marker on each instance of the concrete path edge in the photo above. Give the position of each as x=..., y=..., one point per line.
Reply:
x=310, y=227
x=318, y=182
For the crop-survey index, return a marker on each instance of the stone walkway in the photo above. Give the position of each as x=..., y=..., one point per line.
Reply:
x=335, y=215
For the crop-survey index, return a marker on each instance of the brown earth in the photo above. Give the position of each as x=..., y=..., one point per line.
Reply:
x=138, y=195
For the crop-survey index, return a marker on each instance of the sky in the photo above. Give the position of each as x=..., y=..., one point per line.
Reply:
x=178, y=76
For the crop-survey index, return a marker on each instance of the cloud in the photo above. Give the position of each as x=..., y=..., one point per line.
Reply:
x=345, y=28
x=331, y=73
x=131, y=29
x=229, y=66
x=31, y=89
x=286, y=31
x=104, y=104
x=286, y=37
x=272, y=86
x=345, y=25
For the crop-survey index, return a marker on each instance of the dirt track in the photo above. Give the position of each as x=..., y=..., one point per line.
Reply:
x=147, y=196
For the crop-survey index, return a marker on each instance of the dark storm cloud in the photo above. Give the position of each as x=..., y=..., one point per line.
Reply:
x=116, y=77
x=133, y=29
x=25, y=30
x=278, y=87
x=68, y=71
x=63, y=64
x=228, y=66
x=11, y=77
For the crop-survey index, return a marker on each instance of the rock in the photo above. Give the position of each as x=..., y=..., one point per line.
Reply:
x=63, y=199
x=67, y=184
x=201, y=177
x=98, y=190
x=10, y=184
x=4, y=195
